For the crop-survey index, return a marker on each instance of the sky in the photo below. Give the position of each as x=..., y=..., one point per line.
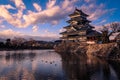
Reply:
x=45, y=19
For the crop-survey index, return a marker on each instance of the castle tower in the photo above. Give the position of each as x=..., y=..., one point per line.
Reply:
x=79, y=28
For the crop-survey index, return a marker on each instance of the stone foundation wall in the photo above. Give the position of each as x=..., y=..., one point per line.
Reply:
x=109, y=50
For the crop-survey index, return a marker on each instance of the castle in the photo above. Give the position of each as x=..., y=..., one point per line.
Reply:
x=79, y=29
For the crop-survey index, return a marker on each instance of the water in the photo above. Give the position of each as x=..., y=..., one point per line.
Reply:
x=49, y=65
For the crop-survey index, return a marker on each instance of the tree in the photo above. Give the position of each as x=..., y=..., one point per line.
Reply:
x=105, y=35
x=1, y=44
x=31, y=42
x=115, y=27
x=108, y=30
x=8, y=42
x=17, y=41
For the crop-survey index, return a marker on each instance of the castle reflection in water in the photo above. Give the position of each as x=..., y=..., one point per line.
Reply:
x=49, y=65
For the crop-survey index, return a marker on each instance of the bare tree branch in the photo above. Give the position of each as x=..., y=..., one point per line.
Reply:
x=115, y=27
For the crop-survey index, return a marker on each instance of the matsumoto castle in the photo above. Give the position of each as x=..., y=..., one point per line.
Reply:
x=79, y=29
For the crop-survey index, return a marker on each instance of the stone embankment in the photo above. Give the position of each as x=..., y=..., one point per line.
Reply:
x=108, y=51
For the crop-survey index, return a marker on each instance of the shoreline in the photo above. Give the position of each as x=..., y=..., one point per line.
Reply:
x=25, y=49
x=109, y=51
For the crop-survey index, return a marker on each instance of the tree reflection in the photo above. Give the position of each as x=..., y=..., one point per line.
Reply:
x=87, y=68
x=7, y=57
x=32, y=55
x=51, y=66
x=19, y=56
x=75, y=67
x=116, y=67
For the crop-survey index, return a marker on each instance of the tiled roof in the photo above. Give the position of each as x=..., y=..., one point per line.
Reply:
x=64, y=32
x=93, y=33
x=77, y=11
x=67, y=26
x=78, y=20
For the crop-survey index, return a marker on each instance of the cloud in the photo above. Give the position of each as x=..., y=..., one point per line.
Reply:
x=103, y=21
x=1, y=20
x=35, y=28
x=51, y=3
x=2, y=26
x=94, y=10
x=87, y=1
x=62, y=30
x=11, y=19
x=9, y=33
x=107, y=26
x=98, y=28
x=19, y=4
x=8, y=6
x=52, y=14
x=47, y=36
x=37, y=7
x=55, y=22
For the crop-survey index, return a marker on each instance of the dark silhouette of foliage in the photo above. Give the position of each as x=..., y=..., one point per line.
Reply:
x=108, y=30
x=1, y=44
x=8, y=43
x=21, y=43
x=105, y=35
x=115, y=27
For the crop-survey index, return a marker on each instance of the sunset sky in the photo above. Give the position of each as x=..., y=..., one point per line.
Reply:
x=44, y=19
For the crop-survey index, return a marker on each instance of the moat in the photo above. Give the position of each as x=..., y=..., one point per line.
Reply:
x=49, y=65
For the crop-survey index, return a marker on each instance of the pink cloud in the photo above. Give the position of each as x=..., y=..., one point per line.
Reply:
x=95, y=11
x=48, y=36
x=47, y=33
x=51, y=3
x=37, y=7
x=2, y=26
x=62, y=30
x=19, y=4
x=87, y=1
x=9, y=33
x=1, y=20
x=35, y=28
x=52, y=14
